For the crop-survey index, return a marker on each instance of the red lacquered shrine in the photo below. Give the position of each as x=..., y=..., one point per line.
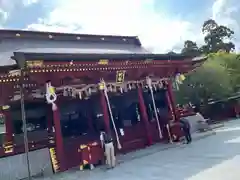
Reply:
x=108, y=83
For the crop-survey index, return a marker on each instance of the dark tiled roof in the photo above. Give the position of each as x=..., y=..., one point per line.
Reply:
x=68, y=37
x=66, y=47
x=48, y=42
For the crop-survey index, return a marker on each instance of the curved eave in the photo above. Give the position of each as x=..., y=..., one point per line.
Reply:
x=22, y=57
x=198, y=61
x=160, y=61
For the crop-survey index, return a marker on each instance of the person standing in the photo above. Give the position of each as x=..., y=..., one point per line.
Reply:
x=163, y=113
x=109, y=151
x=186, y=128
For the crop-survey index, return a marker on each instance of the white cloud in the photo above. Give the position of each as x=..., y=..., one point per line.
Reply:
x=223, y=11
x=159, y=31
x=226, y=12
x=29, y=2
x=3, y=15
x=7, y=7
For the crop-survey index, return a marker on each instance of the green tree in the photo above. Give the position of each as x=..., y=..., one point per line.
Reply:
x=217, y=37
x=190, y=48
x=172, y=53
x=210, y=81
x=231, y=63
x=219, y=76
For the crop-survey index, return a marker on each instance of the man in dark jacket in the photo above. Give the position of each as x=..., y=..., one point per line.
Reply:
x=107, y=143
x=186, y=128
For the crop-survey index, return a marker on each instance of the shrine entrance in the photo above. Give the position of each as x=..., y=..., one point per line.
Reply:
x=81, y=122
x=36, y=121
x=128, y=120
x=163, y=112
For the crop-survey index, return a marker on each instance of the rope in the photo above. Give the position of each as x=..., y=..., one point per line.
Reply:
x=154, y=107
x=51, y=96
x=111, y=115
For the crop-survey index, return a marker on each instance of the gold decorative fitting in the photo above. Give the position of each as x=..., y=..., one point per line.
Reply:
x=101, y=85
x=34, y=64
x=120, y=77
x=14, y=73
x=5, y=107
x=103, y=61
x=8, y=149
x=83, y=146
x=54, y=159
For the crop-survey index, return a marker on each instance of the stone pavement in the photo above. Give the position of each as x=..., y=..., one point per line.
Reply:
x=214, y=158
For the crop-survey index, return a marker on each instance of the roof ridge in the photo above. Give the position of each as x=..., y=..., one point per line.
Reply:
x=26, y=34
x=63, y=33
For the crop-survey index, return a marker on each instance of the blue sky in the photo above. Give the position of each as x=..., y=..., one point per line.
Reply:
x=162, y=25
x=184, y=7
x=21, y=15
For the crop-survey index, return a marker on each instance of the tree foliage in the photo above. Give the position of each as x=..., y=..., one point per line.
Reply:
x=190, y=48
x=209, y=81
x=216, y=37
x=171, y=53
x=219, y=76
x=231, y=63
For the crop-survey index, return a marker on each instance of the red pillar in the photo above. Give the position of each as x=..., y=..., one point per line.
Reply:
x=144, y=116
x=105, y=112
x=171, y=100
x=59, y=140
x=8, y=139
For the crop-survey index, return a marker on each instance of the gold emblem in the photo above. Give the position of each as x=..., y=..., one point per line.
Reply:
x=120, y=77
x=34, y=64
x=103, y=62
